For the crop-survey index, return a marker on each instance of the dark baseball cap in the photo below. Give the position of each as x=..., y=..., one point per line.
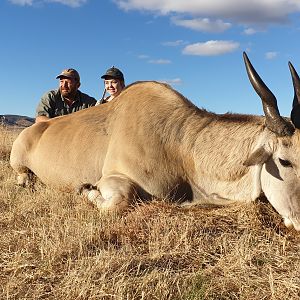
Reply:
x=113, y=73
x=69, y=73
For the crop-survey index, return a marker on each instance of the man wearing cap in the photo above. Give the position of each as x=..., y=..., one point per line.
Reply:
x=114, y=83
x=64, y=100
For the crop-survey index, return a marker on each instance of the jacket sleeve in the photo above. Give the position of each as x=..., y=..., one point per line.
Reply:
x=46, y=105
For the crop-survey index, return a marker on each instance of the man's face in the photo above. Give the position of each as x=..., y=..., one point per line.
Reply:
x=68, y=86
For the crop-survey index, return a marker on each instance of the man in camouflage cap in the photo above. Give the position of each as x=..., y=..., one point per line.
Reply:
x=114, y=83
x=64, y=100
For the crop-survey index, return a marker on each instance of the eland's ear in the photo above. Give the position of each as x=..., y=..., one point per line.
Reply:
x=258, y=157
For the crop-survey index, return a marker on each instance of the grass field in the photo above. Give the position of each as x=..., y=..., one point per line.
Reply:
x=55, y=245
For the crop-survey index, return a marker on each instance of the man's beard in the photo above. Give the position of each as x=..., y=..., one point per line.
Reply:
x=68, y=93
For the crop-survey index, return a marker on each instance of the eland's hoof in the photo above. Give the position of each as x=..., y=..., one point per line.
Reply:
x=85, y=187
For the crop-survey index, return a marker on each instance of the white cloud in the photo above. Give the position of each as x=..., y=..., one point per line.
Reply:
x=249, y=31
x=143, y=56
x=175, y=81
x=22, y=2
x=159, y=61
x=174, y=43
x=243, y=12
x=210, y=48
x=271, y=55
x=71, y=3
x=202, y=24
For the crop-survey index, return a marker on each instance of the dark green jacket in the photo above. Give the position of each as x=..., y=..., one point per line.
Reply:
x=52, y=104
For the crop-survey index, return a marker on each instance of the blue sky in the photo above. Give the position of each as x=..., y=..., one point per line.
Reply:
x=195, y=45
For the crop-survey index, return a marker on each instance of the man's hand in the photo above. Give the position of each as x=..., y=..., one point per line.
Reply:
x=41, y=119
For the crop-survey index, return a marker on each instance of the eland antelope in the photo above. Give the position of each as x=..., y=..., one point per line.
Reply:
x=152, y=142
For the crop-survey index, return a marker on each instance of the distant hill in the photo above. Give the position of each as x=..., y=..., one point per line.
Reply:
x=16, y=120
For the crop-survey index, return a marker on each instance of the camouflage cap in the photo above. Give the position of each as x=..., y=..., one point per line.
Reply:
x=113, y=73
x=69, y=73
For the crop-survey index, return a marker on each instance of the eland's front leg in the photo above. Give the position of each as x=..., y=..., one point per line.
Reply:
x=113, y=193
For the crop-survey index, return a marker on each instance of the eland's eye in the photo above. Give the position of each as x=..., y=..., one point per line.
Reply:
x=285, y=163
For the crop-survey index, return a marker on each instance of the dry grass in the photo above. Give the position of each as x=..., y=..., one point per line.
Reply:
x=54, y=245
x=7, y=136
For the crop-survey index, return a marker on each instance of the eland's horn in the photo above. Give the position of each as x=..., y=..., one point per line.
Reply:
x=274, y=121
x=295, y=113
